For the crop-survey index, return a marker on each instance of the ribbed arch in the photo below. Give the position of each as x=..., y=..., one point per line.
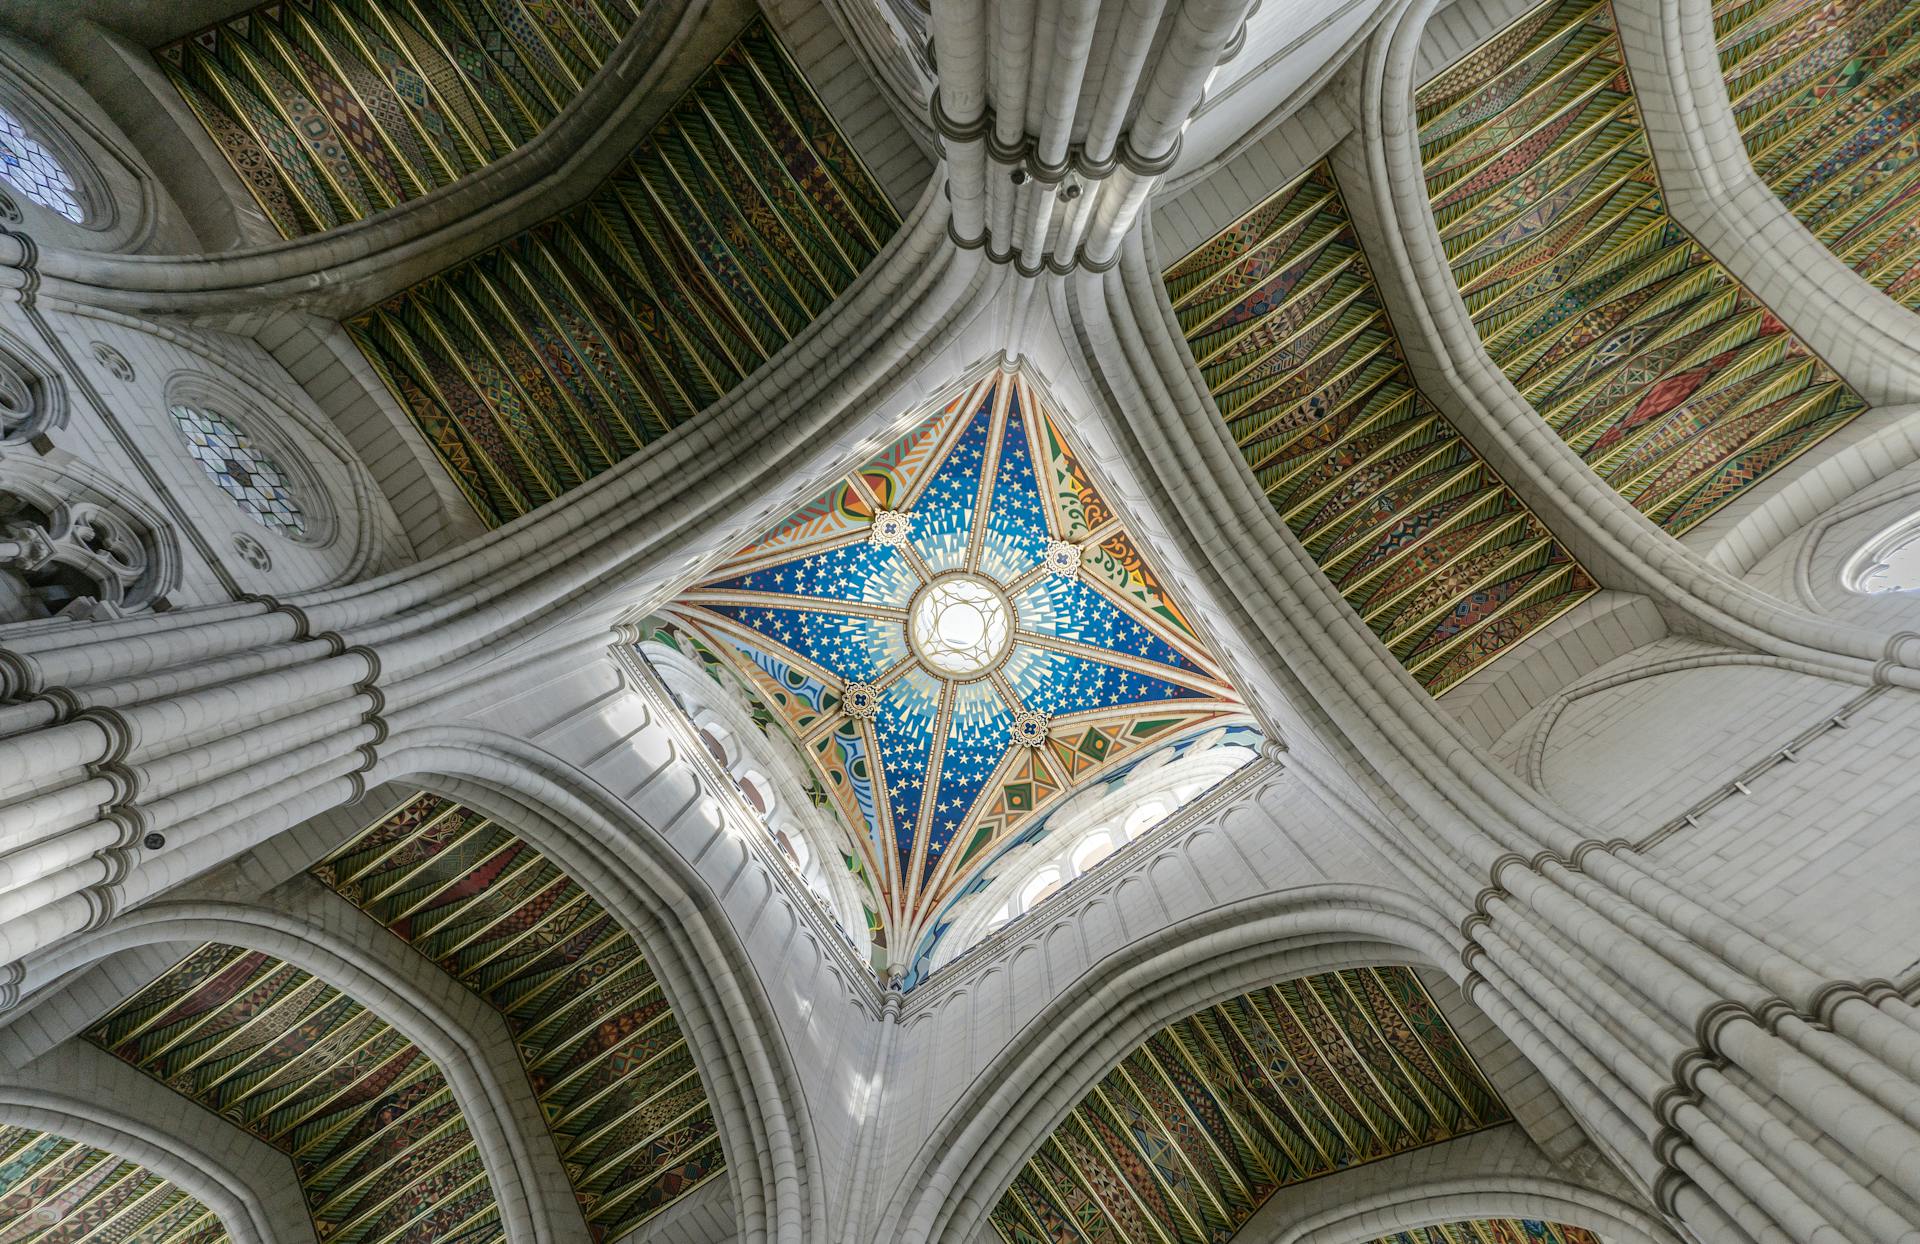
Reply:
x=333, y=110
x=626, y=867
x=610, y=1066
x=1198, y=1125
x=308, y=1043
x=955, y=1181
x=114, y=1185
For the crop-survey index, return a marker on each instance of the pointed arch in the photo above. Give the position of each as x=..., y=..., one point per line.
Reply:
x=670, y=910
x=948, y=1188
x=174, y=1159
x=525, y=1210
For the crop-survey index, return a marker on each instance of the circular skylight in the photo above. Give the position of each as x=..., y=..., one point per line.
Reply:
x=960, y=626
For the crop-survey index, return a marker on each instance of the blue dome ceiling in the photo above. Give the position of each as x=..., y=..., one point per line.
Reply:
x=959, y=636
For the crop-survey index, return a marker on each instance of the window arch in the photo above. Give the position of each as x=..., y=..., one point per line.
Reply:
x=1890, y=562
x=33, y=170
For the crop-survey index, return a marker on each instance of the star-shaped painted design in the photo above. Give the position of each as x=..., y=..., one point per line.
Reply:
x=991, y=493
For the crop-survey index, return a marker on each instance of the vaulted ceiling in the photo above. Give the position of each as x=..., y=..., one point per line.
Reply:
x=1196, y=1128
x=1420, y=535
x=1670, y=378
x=1827, y=97
x=535, y=366
x=959, y=636
x=1494, y=1231
x=333, y=110
x=57, y=1191
x=378, y=1144
x=612, y=1071
x=377, y=1139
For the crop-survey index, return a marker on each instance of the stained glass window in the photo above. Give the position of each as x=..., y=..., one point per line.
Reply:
x=34, y=171
x=254, y=481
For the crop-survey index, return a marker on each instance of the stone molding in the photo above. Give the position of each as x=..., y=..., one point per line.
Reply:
x=1710, y=187
x=484, y=1101
x=171, y=1156
x=356, y=264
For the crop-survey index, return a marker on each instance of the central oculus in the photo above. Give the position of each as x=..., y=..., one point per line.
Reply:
x=960, y=625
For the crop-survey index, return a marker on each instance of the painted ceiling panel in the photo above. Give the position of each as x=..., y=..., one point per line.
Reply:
x=1438, y=556
x=55, y=1191
x=332, y=110
x=377, y=1142
x=937, y=744
x=1665, y=374
x=1827, y=97
x=539, y=364
x=1196, y=1128
x=608, y=1062
x=1494, y=1231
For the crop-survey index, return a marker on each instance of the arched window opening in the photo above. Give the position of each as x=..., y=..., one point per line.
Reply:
x=36, y=172
x=1039, y=888
x=1145, y=817
x=254, y=480
x=1890, y=562
x=1095, y=847
x=712, y=738
x=74, y=557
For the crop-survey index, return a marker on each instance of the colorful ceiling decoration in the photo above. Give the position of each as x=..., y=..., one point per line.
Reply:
x=377, y=1142
x=54, y=1191
x=1005, y=855
x=1827, y=97
x=332, y=110
x=539, y=364
x=1665, y=374
x=1494, y=1231
x=958, y=636
x=1439, y=557
x=611, y=1068
x=1196, y=1128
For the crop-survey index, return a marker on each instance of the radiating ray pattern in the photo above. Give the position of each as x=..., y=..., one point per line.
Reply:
x=983, y=510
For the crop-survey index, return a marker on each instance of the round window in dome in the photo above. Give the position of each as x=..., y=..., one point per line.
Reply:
x=960, y=626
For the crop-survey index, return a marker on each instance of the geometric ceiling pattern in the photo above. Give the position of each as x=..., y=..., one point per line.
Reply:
x=1666, y=375
x=1444, y=563
x=607, y=1060
x=958, y=636
x=1827, y=98
x=57, y=1191
x=379, y=1146
x=537, y=365
x=1494, y=1231
x=332, y=110
x=1213, y=1114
